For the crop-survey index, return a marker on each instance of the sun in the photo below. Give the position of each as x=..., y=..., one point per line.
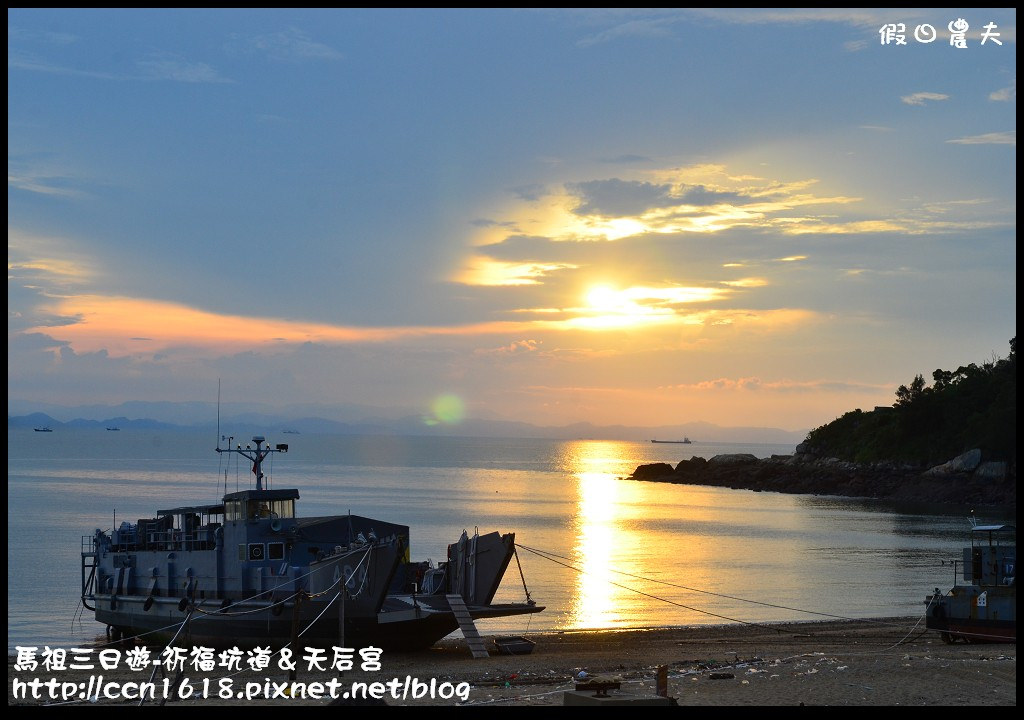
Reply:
x=604, y=297
x=608, y=308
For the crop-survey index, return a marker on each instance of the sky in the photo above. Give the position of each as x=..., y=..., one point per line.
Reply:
x=749, y=217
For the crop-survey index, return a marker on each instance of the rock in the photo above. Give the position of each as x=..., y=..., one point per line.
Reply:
x=807, y=474
x=694, y=464
x=991, y=471
x=965, y=463
x=733, y=459
x=652, y=471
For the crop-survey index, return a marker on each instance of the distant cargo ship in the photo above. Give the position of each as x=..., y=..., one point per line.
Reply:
x=684, y=441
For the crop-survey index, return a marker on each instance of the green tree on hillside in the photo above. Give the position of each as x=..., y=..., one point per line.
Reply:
x=974, y=406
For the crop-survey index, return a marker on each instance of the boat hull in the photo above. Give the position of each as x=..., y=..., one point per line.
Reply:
x=402, y=625
x=982, y=605
x=973, y=614
x=259, y=624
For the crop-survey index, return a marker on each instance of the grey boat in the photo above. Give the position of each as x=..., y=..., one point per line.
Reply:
x=982, y=605
x=247, y=571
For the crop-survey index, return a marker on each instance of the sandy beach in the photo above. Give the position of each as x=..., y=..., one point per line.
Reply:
x=877, y=662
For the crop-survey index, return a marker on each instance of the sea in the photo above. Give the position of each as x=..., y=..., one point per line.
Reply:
x=597, y=550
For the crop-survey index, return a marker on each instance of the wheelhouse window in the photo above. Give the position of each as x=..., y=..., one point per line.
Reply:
x=282, y=508
x=233, y=510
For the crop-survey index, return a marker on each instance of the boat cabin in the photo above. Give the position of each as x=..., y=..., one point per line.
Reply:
x=992, y=557
x=257, y=504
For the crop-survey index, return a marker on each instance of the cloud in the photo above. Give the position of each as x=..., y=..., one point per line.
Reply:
x=173, y=69
x=485, y=272
x=629, y=197
x=620, y=197
x=746, y=282
x=870, y=17
x=1005, y=94
x=44, y=37
x=659, y=23
x=920, y=98
x=24, y=61
x=40, y=260
x=518, y=347
x=42, y=184
x=529, y=193
x=643, y=28
x=487, y=223
x=180, y=71
x=291, y=45
x=997, y=138
x=625, y=159
x=756, y=384
x=702, y=196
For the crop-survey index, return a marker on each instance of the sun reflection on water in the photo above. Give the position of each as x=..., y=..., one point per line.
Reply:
x=601, y=537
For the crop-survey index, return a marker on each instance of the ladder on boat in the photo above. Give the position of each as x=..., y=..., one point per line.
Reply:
x=468, y=627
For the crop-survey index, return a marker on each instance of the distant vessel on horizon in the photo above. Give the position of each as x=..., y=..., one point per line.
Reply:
x=113, y=429
x=43, y=429
x=290, y=432
x=684, y=441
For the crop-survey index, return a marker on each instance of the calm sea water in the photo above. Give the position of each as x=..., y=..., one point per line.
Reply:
x=625, y=554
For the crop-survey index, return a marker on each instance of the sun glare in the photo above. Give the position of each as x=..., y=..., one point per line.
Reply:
x=607, y=307
x=602, y=297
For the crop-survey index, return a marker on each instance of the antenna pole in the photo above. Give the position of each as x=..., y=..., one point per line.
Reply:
x=218, y=413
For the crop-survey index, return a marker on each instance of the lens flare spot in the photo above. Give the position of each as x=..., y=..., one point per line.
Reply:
x=447, y=409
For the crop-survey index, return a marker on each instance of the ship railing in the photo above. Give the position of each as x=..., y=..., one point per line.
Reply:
x=88, y=545
x=1003, y=573
x=201, y=539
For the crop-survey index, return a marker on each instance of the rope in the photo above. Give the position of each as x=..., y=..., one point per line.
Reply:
x=515, y=552
x=660, y=599
x=184, y=623
x=547, y=555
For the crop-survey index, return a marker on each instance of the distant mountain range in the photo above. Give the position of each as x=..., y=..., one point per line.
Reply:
x=175, y=416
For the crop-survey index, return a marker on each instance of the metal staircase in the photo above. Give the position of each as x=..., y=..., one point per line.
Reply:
x=466, y=624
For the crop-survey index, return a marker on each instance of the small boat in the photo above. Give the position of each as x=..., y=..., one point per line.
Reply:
x=248, y=571
x=684, y=441
x=114, y=429
x=43, y=429
x=514, y=645
x=982, y=605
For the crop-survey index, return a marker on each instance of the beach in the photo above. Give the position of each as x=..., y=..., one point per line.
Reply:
x=834, y=662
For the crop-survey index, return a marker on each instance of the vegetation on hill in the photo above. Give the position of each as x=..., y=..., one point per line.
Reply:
x=974, y=406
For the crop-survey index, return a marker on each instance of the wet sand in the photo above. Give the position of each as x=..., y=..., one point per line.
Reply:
x=878, y=662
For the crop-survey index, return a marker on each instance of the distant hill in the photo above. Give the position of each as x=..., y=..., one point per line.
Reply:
x=269, y=422
x=974, y=406
x=43, y=420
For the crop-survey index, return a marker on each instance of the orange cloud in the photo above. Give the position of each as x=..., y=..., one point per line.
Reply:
x=124, y=326
x=128, y=326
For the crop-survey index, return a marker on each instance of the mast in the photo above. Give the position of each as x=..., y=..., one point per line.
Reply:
x=256, y=455
x=218, y=413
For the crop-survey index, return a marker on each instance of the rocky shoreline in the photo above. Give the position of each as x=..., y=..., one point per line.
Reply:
x=965, y=480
